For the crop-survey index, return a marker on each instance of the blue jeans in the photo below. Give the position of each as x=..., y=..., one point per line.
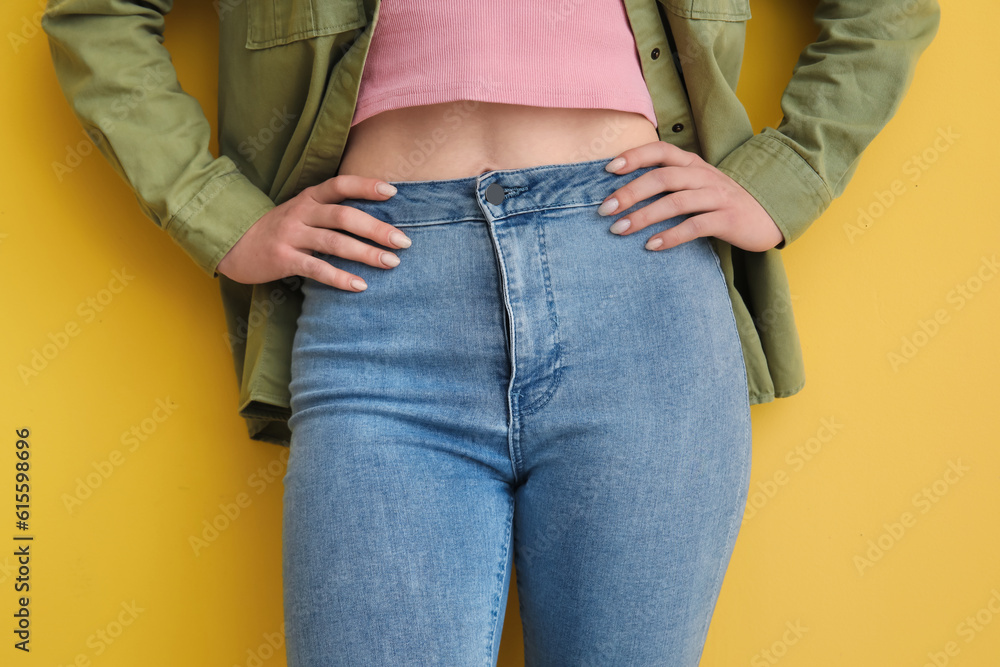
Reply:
x=525, y=388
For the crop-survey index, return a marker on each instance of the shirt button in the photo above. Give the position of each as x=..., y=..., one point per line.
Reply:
x=494, y=194
x=655, y=54
x=678, y=127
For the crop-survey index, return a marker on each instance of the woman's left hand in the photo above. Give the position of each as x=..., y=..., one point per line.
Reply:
x=725, y=210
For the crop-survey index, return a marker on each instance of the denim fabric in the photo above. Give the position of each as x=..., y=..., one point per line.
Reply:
x=525, y=389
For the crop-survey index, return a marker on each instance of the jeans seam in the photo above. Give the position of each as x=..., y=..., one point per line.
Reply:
x=736, y=326
x=541, y=209
x=501, y=577
x=721, y=570
x=555, y=358
x=511, y=350
x=746, y=424
x=431, y=223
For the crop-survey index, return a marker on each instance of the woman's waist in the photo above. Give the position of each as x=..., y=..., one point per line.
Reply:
x=467, y=138
x=497, y=194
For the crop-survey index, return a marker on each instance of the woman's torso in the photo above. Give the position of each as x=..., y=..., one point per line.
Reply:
x=466, y=138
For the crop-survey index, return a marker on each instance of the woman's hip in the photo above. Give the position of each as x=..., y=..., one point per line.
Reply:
x=510, y=273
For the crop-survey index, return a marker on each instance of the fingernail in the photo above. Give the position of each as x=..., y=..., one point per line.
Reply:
x=389, y=259
x=400, y=239
x=615, y=164
x=653, y=244
x=607, y=206
x=359, y=284
x=620, y=226
x=385, y=189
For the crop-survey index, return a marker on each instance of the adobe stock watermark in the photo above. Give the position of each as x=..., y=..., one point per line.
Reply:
x=778, y=649
x=901, y=13
x=105, y=636
x=76, y=152
x=429, y=142
x=149, y=78
x=7, y=570
x=223, y=7
x=598, y=146
x=256, y=143
x=797, y=458
x=554, y=531
x=607, y=649
x=59, y=340
x=104, y=468
x=229, y=512
x=766, y=318
x=957, y=297
x=28, y=28
x=913, y=170
x=562, y=10
x=273, y=644
x=967, y=629
x=923, y=501
x=260, y=310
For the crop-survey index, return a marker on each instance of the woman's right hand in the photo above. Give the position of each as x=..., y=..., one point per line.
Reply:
x=281, y=242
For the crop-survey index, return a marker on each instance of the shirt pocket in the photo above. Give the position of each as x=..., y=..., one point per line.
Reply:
x=276, y=22
x=713, y=10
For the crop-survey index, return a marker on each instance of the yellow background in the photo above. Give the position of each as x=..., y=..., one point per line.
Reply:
x=856, y=297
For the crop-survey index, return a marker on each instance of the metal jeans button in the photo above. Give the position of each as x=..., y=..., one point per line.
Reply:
x=494, y=193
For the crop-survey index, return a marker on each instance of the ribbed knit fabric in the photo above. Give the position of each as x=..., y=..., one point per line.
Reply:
x=534, y=52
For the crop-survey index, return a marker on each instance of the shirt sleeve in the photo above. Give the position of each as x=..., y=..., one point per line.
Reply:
x=112, y=67
x=844, y=89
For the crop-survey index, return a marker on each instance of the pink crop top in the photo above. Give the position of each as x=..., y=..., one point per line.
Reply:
x=549, y=54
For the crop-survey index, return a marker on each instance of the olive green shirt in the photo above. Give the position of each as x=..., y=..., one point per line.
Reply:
x=289, y=72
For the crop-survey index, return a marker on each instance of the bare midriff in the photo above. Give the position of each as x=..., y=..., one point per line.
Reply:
x=466, y=138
